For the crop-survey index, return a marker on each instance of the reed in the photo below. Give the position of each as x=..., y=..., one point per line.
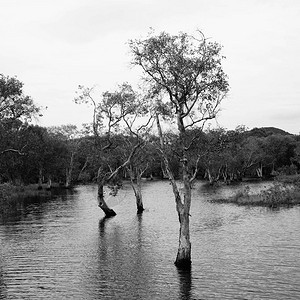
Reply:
x=12, y=194
x=279, y=194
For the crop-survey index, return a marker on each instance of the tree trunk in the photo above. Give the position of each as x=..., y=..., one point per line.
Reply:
x=210, y=177
x=183, y=258
x=101, y=202
x=49, y=183
x=137, y=189
x=138, y=194
x=259, y=171
x=82, y=169
x=69, y=172
x=40, y=182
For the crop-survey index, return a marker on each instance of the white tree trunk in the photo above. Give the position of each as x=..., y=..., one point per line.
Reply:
x=183, y=258
x=40, y=181
x=137, y=188
x=69, y=172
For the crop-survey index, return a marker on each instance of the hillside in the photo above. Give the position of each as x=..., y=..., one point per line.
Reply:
x=266, y=131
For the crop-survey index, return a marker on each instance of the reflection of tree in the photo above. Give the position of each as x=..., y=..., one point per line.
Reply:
x=139, y=232
x=103, y=248
x=122, y=260
x=185, y=283
x=102, y=225
x=3, y=291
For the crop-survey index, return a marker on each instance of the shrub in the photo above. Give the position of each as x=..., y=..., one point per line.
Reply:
x=5, y=190
x=290, y=179
x=277, y=194
x=288, y=170
x=241, y=194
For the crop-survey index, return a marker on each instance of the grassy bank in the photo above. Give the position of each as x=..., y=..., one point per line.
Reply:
x=285, y=191
x=10, y=194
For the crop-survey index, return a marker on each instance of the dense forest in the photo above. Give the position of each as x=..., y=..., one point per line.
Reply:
x=66, y=155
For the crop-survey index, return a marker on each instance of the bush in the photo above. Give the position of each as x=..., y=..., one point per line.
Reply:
x=288, y=170
x=289, y=179
x=5, y=190
x=241, y=194
x=277, y=194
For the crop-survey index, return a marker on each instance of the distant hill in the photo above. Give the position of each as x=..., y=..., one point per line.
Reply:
x=266, y=131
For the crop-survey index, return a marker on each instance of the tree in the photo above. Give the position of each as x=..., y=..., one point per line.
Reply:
x=116, y=112
x=279, y=151
x=185, y=73
x=138, y=166
x=13, y=103
x=214, y=157
x=70, y=136
x=45, y=155
x=16, y=110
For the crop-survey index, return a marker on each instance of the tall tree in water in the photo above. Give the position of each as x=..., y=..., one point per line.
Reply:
x=185, y=71
x=116, y=112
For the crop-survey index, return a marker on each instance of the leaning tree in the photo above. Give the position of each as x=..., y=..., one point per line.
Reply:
x=116, y=112
x=186, y=76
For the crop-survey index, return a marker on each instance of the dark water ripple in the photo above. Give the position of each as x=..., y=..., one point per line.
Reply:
x=64, y=249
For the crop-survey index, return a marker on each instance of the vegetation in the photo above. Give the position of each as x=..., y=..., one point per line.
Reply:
x=280, y=193
x=158, y=132
x=10, y=195
x=186, y=83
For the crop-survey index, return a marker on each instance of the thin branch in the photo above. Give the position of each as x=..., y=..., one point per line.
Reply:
x=12, y=150
x=196, y=169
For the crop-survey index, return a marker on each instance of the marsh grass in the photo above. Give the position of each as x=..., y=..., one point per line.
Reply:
x=279, y=193
x=11, y=195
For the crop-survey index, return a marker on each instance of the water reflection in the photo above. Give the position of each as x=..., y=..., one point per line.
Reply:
x=123, y=262
x=185, y=283
x=64, y=248
x=3, y=290
x=102, y=224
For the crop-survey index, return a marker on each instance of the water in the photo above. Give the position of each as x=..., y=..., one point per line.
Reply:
x=64, y=249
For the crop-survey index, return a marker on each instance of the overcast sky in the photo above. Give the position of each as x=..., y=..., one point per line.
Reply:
x=53, y=46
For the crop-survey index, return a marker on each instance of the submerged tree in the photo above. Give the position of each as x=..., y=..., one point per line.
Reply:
x=136, y=169
x=185, y=73
x=116, y=112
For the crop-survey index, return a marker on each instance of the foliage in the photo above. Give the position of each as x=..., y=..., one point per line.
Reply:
x=184, y=86
x=242, y=194
x=13, y=103
x=277, y=194
x=187, y=69
x=4, y=191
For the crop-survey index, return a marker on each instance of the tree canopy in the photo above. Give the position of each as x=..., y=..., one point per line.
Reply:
x=13, y=103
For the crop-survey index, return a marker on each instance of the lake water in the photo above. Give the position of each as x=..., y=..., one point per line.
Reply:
x=64, y=249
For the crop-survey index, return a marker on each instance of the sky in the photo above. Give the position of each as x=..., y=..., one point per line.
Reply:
x=54, y=46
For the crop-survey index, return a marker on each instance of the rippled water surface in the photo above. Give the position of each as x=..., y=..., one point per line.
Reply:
x=64, y=249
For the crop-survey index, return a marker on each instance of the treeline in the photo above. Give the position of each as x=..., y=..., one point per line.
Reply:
x=34, y=154
x=66, y=155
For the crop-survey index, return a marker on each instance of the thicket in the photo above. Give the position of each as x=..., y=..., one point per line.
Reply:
x=38, y=153
x=31, y=154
